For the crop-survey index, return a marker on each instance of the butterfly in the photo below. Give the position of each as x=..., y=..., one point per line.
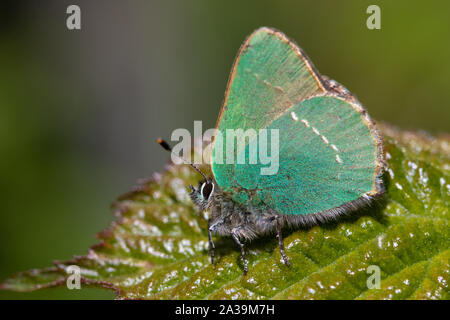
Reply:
x=330, y=154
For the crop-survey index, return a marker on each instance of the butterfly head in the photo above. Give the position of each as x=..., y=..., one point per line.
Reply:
x=203, y=194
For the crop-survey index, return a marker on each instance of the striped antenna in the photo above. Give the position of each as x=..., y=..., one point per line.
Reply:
x=167, y=147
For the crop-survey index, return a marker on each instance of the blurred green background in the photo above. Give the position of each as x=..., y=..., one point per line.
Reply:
x=80, y=110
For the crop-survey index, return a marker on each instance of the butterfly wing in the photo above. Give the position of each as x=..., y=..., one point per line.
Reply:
x=329, y=151
x=269, y=75
x=329, y=156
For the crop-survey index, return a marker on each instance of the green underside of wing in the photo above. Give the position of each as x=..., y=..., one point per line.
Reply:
x=268, y=78
x=327, y=157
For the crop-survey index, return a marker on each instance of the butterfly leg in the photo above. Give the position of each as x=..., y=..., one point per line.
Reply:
x=280, y=241
x=211, y=243
x=241, y=245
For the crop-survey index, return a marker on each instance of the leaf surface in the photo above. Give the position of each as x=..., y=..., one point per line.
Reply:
x=158, y=247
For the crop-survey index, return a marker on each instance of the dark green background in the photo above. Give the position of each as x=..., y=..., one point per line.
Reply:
x=80, y=110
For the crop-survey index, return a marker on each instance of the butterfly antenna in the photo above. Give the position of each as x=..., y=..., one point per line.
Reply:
x=166, y=146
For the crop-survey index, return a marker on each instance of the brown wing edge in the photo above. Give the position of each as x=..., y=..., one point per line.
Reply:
x=311, y=68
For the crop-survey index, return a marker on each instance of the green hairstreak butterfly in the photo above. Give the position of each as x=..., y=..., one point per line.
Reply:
x=330, y=154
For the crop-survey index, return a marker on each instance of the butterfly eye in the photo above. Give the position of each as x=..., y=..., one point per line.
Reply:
x=207, y=189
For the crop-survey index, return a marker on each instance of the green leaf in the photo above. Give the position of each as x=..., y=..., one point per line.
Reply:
x=158, y=247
